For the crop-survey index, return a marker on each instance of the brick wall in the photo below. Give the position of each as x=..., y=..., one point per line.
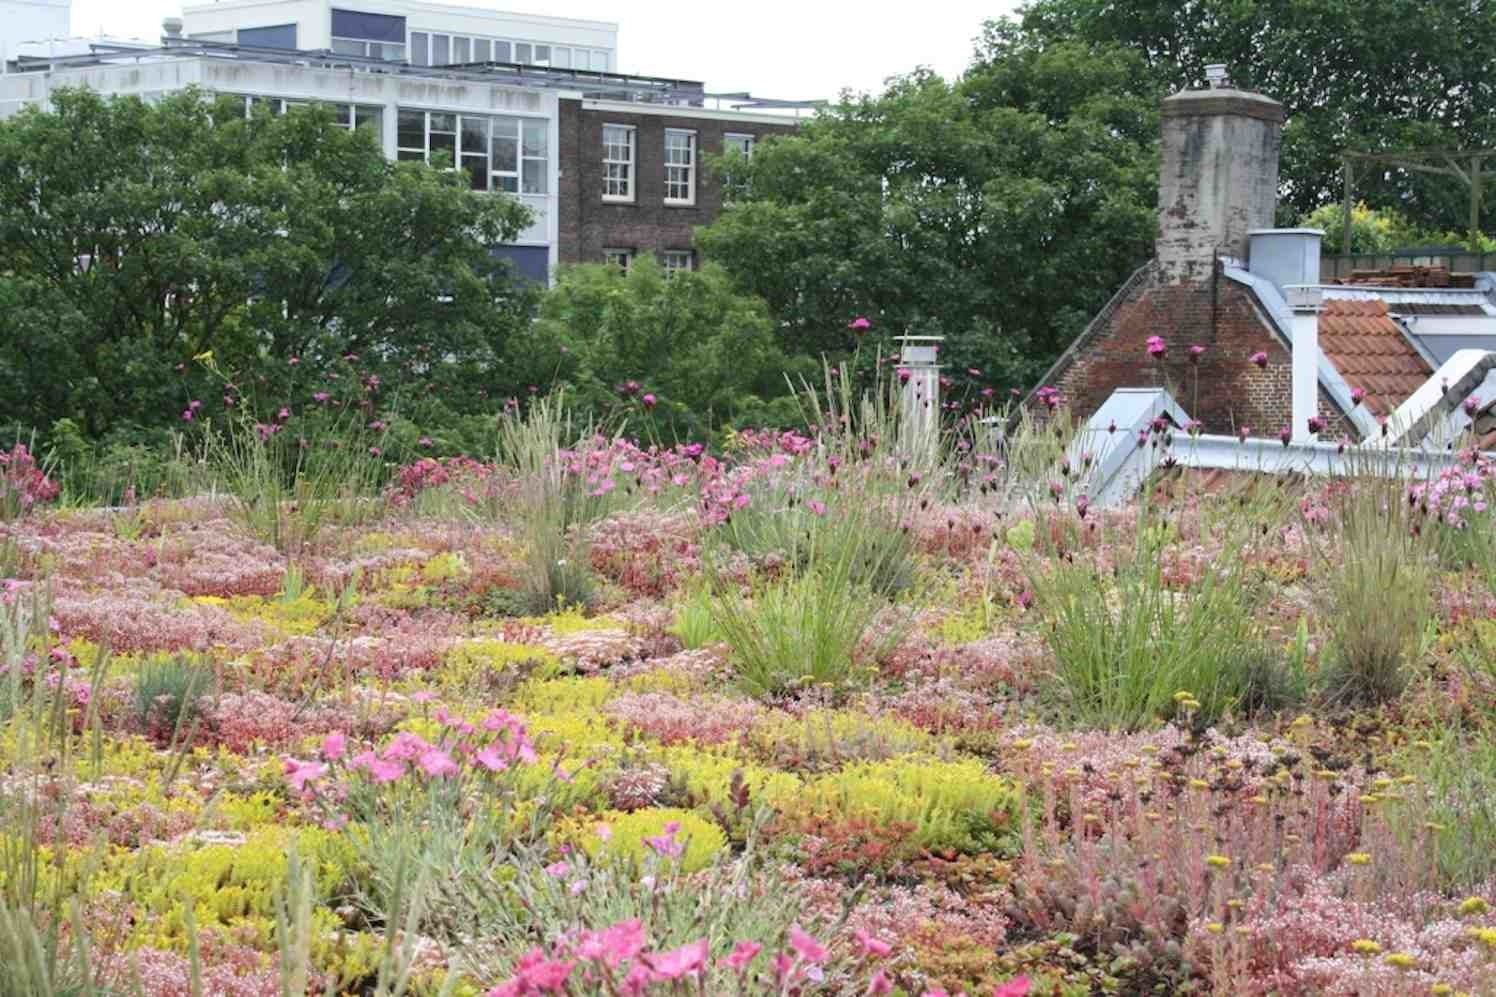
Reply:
x=1225, y=390
x=588, y=225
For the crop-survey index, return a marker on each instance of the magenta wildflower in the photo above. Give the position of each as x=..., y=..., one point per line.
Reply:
x=1284, y=435
x=817, y=506
x=742, y=954
x=1242, y=432
x=1472, y=406
x=1260, y=359
x=860, y=325
x=1316, y=424
x=904, y=375
x=684, y=961
x=1195, y=352
x=437, y=764
x=334, y=746
x=805, y=946
x=1018, y=986
x=871, y=945
x=1156, y=347
x=298, y=773
x=665, y=844
x=1358, y=395
x=649, y=401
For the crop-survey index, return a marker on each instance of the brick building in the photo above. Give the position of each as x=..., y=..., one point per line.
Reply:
x=634, y=178
x=1222, y=277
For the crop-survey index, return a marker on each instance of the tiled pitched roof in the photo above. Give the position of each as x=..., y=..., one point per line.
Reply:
x=1369, y=349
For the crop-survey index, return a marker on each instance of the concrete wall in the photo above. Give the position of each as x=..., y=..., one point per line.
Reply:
x=648, y=225
x=1218, y=177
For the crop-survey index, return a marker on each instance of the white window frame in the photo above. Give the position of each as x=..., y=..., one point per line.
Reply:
x=623, y=259
x=677, y=260
x=625, y=176
x=513, y=127
x=680, y=174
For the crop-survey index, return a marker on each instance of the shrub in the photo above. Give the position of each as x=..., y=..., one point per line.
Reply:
x=1375, y=592
x=645, y=835
x=1125, y=640
x=169, y=691
x=560, y=495
x=950, y=805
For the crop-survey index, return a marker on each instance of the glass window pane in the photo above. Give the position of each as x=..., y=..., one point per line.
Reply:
x=543, y=54
x=343, y=46
x=474, y=135
x=501, y=52
x=561, y=58
x=505, y=154
x=477, y=168
x=443, y=122
x=534, y=176
x=394, y=52
x=441, y=50
x=509, y=183
x=481, y=50
x=412, y=130
x=522, y=52
x=370, y=118
x=420, y=48
x=462, y=50
x=535, y=137
x=599, y=60
x=444, y=144
x=410, y=155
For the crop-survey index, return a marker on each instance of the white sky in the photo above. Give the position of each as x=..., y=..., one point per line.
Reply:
x=791, y=49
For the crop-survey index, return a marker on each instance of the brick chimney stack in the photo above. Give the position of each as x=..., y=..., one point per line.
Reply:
x=1218, y=178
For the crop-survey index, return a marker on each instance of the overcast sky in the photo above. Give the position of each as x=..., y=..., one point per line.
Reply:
x=792, y=49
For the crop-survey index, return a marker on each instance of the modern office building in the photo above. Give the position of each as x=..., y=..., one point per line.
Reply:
x=530, y=106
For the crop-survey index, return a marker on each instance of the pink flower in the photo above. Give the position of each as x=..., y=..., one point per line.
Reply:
x=1260, y=359
x=543, y=974
x=379, y=769
x=334, y=746
x=437, y=764
x=283, y=414
x=298, y=774
x=904, y=375
x=557, y=869
x=805, y=946
x=321, y=397
x=879, y=985
x=187, y=415
x=1157, y=347
x=665, y=844
x=1472, y=406
x=1195, y=353
x=817, y=506
x=684, y=961
x=870, y=945
x=614, y=944
x=1018, y=986
x=1242, y=432
x=1284, y=435
x=649, y=401
x=1358, y=395
x=860, y=325
x=742, y=954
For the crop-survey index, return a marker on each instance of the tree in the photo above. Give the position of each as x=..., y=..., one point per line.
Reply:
x=999, y=211
x=136, y=236
x=1362, y=74
x=704, y=353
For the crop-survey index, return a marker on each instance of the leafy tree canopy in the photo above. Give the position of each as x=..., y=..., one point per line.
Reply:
x=704, y=353
x=999, y=211
x=1361, y=74
x=136, y=236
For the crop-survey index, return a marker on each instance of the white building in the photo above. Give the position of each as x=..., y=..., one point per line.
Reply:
x=375, y=66
x=423, y=34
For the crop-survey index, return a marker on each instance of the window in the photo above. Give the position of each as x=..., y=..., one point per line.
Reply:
x=599, y=60
x=522, y=52
x=420, y=48
x=499, y=153
x=735, y=146
x=621, y=258
x=618, y=163
x=481, y=51
x=501, y=52
x=561, y=58
x=462, y=50
x=676, y=259
x=680, y=166
x=441, y=50
x=542, y=55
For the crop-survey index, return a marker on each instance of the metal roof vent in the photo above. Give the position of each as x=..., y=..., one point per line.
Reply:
x=1215, y=76
x=171, y=27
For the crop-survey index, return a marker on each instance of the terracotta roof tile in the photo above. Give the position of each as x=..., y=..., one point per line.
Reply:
x=1369, y=349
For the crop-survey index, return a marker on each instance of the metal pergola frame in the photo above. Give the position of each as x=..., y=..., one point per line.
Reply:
x=1419, y=160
